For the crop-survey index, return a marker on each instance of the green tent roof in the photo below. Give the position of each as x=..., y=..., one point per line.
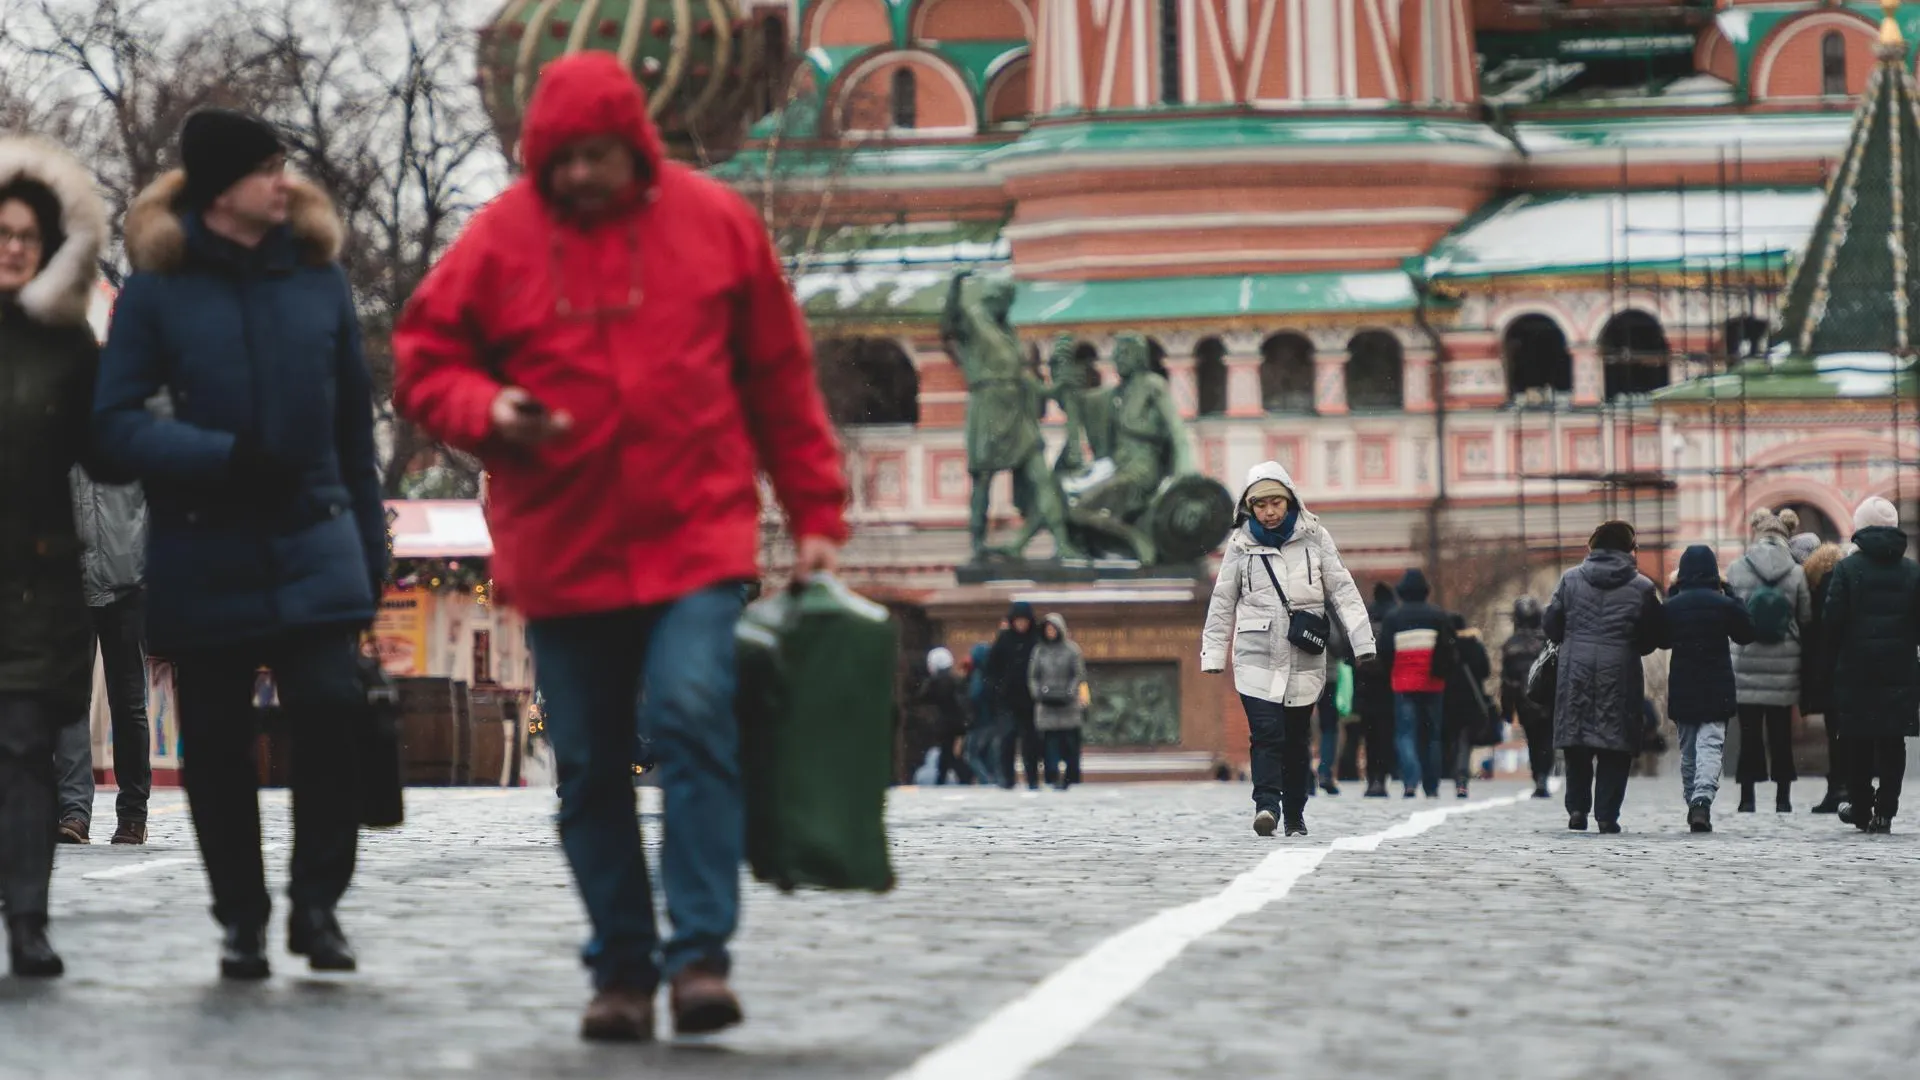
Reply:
x=1854, y=289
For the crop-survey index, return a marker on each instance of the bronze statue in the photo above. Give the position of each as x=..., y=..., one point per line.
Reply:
x=1149, y=448
x=1004, y=406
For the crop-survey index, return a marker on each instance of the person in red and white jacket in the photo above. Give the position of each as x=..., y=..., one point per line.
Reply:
x=615, y=339
x=1416, y=642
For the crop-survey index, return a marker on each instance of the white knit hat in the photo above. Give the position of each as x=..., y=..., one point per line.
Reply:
x=939, y=660
x=1876, y=511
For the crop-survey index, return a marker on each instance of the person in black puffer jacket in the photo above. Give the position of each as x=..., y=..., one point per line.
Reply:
x=1012, y=698
x=1702, y=617
x=1373, y=700
x=1873, y=632
x=1525, y=645
x=1466, y=700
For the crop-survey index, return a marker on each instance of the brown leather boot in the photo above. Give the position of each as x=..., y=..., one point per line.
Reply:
x=619, y=1014
x=73, y=830
x=130, y=832
x=702, y=1001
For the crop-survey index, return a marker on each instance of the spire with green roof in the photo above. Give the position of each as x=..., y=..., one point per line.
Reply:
x=1854, y=289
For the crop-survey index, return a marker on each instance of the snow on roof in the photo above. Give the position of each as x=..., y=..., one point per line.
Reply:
x=1570, y=232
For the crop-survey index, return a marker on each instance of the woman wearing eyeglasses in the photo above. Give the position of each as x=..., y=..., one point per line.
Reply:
x=1281, y=585
x=52, y=225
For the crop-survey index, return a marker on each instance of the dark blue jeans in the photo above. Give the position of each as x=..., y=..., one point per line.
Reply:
x=1417, y=723
x=592, y=671
x=1329, y=733
x=1282, y=771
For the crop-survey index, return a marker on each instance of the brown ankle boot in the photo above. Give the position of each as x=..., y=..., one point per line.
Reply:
x=619, y=1014
x=702, y=1002
x=130, y=832
x=73, y=830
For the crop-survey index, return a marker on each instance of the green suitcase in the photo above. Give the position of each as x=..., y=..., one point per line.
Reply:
x=816, y=737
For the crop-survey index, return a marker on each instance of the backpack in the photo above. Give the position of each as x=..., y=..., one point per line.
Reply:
x=1543, y=678
x=1770, y=610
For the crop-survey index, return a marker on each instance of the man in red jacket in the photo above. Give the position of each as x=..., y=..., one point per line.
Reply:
x=614, y=338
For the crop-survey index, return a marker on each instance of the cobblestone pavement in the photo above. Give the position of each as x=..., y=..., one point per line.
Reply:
x=1495, y=944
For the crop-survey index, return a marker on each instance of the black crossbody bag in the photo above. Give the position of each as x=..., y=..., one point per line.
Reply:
x=1307, y=630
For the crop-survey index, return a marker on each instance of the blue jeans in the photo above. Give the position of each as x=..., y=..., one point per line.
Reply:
x=592, y=670
x=1329, y=734
x=1417, y=723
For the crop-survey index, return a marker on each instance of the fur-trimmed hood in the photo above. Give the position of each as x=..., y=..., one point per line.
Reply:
x=156, y=236
x=63, y=292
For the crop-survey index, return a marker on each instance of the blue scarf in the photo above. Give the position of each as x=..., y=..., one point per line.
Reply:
x=1274, y=538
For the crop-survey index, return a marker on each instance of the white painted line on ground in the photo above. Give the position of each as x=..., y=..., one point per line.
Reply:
x=132, y=869
x=1067, y=1004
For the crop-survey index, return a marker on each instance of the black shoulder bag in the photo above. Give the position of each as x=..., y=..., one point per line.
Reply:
x=1306, y=630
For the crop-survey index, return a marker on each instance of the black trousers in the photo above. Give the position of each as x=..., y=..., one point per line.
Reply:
x=1839, y=769
x=1063, y=755
x=1766, y=731
x=319, y=692
x=1026, y=737
x=27, y=802
x=1597, y=781
x=1539, y=729
x=1381, y=762
x=1866, y=758
x=952, y=762
x=1282, y=765
x=120, y=628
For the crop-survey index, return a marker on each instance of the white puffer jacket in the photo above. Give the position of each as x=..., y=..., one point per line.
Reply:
x=1265, y=664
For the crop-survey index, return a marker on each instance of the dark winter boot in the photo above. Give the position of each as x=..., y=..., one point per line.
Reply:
x=29, y=951
x=243, y=953
x=1540, y=791
x=1836, y=794
x=1330, y=787
x=1609, y=828
x=1782, y=800
x=1577, y=822
x=316, y=935
x=1700, y=817
x=1746, y=798
x=1377, y=789
x=1460, y=790
x=1296, y=825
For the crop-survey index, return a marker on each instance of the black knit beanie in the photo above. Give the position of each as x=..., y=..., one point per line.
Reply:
x=219, y=147
x=46, y=214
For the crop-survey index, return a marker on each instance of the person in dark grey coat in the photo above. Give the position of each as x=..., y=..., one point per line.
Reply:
x=112, y=524
x=1873, y=634
x=1605, y=616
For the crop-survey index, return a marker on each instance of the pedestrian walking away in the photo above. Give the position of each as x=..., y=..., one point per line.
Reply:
x=1010, y=696
x=1604, y=617
x=1466, y=707
x=615, y=339
x=53, y=227
x=945, y=697
x=1057, y=681
x=1766, y=673
x=1872, y=621
x=112, y=520
x=1281, y=585
x=1416, y=646
x=268, y=536
x=1816, y=672
x=1702, y=619
x=1327, y=710
x=1373, y=700
x=1522, y=648
x=983, y=736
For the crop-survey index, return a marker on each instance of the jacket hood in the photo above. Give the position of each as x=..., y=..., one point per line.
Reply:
x=1608, y=569
x=1526, y=613
x=1414, y=587
x=585, y=95
x=978, y=654
x=1020, y=610
x=1270, y=470
x=1881, y=543
x=62, y=293
x=1698, y=569
x=156, y=230
x=1821, y=563
x=1059, y=622
x=1771, y=558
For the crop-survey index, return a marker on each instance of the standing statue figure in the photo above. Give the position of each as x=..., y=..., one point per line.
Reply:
x=1004, y=403
x=1148, y=447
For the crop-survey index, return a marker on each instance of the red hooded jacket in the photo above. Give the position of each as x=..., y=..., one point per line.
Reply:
x=667, y=331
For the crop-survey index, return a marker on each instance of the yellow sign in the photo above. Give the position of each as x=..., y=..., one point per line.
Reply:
x=400, y=632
